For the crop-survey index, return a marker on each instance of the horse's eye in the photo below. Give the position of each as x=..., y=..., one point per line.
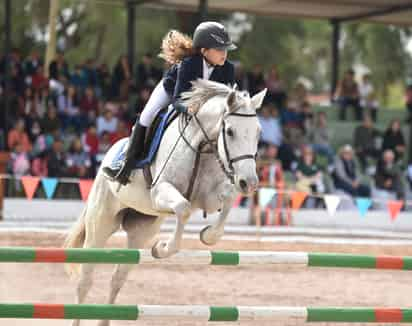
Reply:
x=229, y=132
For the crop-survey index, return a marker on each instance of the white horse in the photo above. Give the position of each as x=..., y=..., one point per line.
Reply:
x=223, y=121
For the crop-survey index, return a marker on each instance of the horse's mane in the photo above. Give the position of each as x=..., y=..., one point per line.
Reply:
x=202, y=90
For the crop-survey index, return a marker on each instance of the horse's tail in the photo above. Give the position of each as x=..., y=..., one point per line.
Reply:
x=75, y=239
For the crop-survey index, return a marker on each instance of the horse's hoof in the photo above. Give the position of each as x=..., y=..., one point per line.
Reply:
x=208, y=237
x=161, y=249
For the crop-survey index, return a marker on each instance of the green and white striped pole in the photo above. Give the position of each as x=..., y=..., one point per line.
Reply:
x=199, y=257
x=205, y=313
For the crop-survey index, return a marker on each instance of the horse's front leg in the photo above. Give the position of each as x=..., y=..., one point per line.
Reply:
x=166, y=197
x=211, y=234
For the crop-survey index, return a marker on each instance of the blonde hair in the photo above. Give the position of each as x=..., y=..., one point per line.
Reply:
x=175, y=47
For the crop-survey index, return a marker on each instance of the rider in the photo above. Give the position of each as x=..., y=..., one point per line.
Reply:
x=204, y=57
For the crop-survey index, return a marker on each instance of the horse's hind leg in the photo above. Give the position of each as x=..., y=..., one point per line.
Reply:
x=101, y=221
x=140, y=230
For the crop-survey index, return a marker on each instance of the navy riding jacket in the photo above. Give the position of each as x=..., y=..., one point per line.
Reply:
x=179, y=77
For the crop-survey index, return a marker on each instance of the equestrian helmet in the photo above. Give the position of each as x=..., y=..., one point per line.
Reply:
x=212, y=35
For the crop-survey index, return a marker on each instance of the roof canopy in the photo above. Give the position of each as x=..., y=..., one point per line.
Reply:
x=397, y=12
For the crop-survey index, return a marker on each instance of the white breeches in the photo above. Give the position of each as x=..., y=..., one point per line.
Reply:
x=158, y=100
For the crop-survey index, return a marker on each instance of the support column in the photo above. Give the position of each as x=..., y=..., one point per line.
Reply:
x=131, y=35
x=336, y=33
x=202, y=11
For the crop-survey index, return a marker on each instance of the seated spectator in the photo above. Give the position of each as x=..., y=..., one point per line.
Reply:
x=320, y=137
x=50, y=123
x=106, y=122
x=28, y=102
x=368, y=99
x=122, y=131
x=276, y=88
x=408, y=100
x=104, y=81
x=39, y=165
x=59, y=69
x=270, y=170
x=32, y=63
x=121, y=79
x=90, y=140
x=104, y=145
x=347, y=94
x=46, y=99
x=388, y=175
x=307, y=117
x=20, y=162
x=241, y=79
x=68, y=108
x=33, y=128
x=78, y=161
x=89, y=106
x=308, y=175
x=292, y=120
x=299, y=95
x=270, y=123
x=393, y=139
x=346, y=174
x=56, y=160
x=365, y=140
x=19, y=137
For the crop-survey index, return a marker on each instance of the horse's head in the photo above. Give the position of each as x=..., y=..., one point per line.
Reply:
x=228, y=117
x=238, y=139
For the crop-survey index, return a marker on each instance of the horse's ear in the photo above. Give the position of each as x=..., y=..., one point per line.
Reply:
x=231, y=100
x=257, y=100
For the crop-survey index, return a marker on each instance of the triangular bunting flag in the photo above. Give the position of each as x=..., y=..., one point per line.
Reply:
x=298, y=197
x=363, y=205
x=49, y=185
x=85, y=185
x=394, y=207
x=237, y=201
x=30, y=185
x=332, y=203
x=265, y=196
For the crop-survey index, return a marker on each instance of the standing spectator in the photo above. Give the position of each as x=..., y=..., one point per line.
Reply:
x=307, y=117
x=393, y=139
x=59, y=69
x=39, y=80
x=276, y=88
x=45, y=100
x=68, y=108
x=368, y=100
x=89, y=106
x=241, y=79
x=408, y=104
x=106, y=122
x=388, y=175
x=104, y=145
x=18, y=137
x=299, y=95
x=78, y=161
x=144, y=95
x=147, y=73
x=90, y=73
x=271, y=128
x=32, y=63
x=256, y=80
x=346, y=174
x=320, y=137
x=122, y=78
x=364, y=141
x=79, y=79
x=56, y=162
x=308, y=175
x=28, y=102
x=104, y=81
x=347, y=94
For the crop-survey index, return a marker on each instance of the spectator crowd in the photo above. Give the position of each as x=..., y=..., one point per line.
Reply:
x=63, y=124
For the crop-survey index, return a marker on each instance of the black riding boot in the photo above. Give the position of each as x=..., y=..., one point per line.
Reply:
x=134, y=151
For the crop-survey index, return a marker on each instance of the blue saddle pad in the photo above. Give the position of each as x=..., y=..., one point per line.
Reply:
x=154, y=145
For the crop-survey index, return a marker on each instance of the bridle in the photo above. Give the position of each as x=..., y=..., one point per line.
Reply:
x=230, y=172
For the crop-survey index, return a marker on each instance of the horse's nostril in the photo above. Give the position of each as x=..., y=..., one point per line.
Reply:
x=243, y=184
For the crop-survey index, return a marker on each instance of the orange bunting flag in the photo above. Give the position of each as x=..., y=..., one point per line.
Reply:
x=85, y=185
x=30, y=185
x=298, y=197
x=394, y=207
